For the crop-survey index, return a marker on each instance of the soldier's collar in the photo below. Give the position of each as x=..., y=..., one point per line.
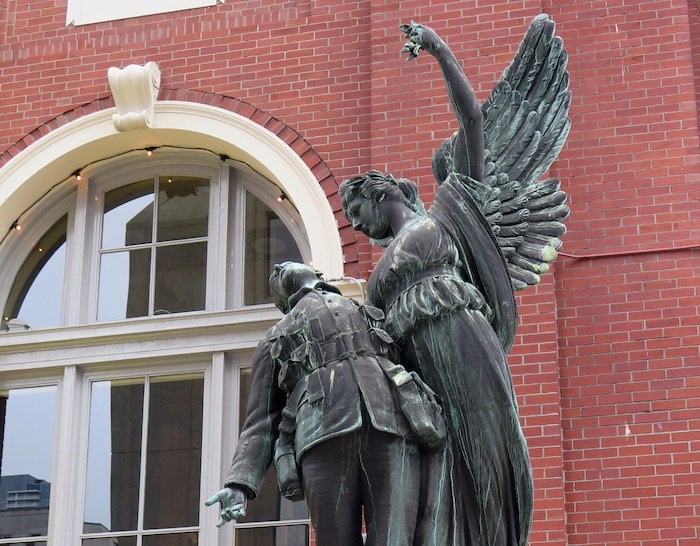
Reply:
x=320, y=285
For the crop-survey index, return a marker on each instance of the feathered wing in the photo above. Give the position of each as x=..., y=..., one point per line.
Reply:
x=526, y=122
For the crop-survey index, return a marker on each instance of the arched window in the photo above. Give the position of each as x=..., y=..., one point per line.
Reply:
x=140, y=290
x=151, y=237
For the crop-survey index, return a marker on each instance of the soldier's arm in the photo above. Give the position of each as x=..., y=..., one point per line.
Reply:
x=255, y=447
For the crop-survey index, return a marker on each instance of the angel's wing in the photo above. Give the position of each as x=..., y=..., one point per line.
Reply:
x=525, y=125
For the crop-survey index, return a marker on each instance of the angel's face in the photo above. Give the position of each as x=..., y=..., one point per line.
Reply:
x=366, y=216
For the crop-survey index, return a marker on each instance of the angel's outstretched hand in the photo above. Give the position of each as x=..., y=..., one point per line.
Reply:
x=233, y=503
x=420, y=37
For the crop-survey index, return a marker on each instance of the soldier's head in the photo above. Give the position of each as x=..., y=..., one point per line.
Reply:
x=288, y=278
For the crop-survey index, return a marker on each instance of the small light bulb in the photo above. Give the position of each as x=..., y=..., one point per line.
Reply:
x=18, y=227
x=78, y=176
x=40, y=249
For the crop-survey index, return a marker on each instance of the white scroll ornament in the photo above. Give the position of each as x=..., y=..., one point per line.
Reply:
x=135, y=91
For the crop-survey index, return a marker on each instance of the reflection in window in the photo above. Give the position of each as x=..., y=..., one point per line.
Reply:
x=154, y=251
x=133, y=487
x=25, y=467
x=267, y=242
x=37, y=292
x=293, y=535
x=269, y=505
x=128, y=215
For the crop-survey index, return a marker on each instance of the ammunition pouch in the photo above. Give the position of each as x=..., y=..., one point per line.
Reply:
x=419, y=406
x=286, y=467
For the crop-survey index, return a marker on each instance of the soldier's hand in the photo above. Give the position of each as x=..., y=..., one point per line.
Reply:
x=233, y=502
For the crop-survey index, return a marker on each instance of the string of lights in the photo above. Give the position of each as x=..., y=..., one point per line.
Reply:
x=150, y=151
x=17, y=225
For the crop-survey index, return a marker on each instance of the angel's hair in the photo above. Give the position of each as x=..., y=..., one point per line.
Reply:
x=376, y=185
x=443, y=159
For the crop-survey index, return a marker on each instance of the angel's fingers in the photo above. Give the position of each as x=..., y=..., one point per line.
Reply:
x=416, y=32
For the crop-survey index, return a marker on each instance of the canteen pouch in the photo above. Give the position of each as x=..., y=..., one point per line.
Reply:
x=421, y=409
x=288, y=472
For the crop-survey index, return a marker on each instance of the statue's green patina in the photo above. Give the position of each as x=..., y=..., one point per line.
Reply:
x=445, y=286
x=344, y=424
x=446, y=278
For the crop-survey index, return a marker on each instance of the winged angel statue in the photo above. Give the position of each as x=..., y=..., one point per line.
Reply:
x=447, y=277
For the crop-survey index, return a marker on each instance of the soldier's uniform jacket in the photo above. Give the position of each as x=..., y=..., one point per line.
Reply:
x=319, y=366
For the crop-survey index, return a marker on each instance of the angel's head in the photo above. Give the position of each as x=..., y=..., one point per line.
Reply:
x=362, y=197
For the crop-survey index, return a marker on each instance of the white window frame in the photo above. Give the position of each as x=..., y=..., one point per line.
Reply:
x=198, y=366
x=47, y=213
x=220, y=417
x=83, y=12
x=72, y=355
x=53, y=379
x=82, y=201
x=180, y=162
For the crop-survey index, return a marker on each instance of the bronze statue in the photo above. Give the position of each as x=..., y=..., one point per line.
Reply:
x=327, y=378
x=344, y=425
x=445, y=280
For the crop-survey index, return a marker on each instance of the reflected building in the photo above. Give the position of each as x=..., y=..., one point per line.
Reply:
x=24, y=510
x=24, y=492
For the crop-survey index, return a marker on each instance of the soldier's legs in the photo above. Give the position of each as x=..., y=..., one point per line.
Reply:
x=390, y=472
x=364, y=468
x=331, y=476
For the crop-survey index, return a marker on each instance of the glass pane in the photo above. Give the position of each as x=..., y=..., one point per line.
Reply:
x=29, y=416
x=174, y=454
x=294, y=535
x=182, y=539
x=37, y=292
x=124, y=284
x=181, y=274
x=267, y=242
x=128, y=215
x=269, y=505
x=114, y=456
x=183, y=207
x=111, y=541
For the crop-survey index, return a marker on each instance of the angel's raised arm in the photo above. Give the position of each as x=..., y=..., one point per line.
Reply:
x=468, y=153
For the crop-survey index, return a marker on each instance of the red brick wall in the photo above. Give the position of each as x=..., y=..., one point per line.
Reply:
x=628, y=323
x=607, y=366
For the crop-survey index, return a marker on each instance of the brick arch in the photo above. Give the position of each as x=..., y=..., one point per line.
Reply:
x=288, y=135
x=291, y=137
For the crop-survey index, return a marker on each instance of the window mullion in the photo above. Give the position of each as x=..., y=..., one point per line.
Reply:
x=154, y=247
x=79, y=260
x=144, y=455
x=213, y=434
x=64, y=526
x=236, y=232
x=217, y=250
